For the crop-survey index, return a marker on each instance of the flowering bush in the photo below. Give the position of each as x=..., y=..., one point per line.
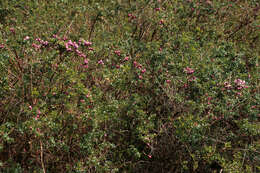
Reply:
x=122, y=86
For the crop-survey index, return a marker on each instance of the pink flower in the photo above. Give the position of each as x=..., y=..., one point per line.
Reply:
x=135, y=63
x=75, y=45
x=26, y=38
x=117, y=52
x=70, y=43
x=161, y=22
x=139, y=66
x=239, y=88
x=37, y=117
x=129, y=15
x=78, y=52
x=140, y=77
x=253, y=107
x=85, y=61
x=189, y=70
x=81, y=54
x=45, y=43
x=38, y=39
x=133, y=17
x=30, y=107
x=126, y=58
x=144, y=70
x=36, y=46
x=87, y=43
x=100, y=62
x=239, y=93
x=2, y=46
x=67, y=47
x=193, y=78
x=117, y=66
x=55, y=36
x=168, y=81
x=157, y=9
x=12, y=30
x=91, y=49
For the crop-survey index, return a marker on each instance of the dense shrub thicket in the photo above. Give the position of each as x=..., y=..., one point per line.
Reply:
x=129, y=86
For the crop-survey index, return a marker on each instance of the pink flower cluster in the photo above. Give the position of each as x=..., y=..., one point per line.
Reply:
x=69, y=44
x=189, y=70
x=240, y=84
x=38, y=113
x=74, y=46
x=131, y=16
x=2, y=46
x=140, y=67
x=86, y=43
x=44, y=43
x=143, y=70
x=137, y=65
x=79, y=53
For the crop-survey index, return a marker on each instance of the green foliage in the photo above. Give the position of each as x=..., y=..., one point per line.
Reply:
x=129, y=86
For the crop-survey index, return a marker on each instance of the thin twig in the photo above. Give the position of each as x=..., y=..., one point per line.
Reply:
x=93, y=25
x=243, y=158
x=43, y=167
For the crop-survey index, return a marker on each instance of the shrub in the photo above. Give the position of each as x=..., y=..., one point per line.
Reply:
x=117, y=86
